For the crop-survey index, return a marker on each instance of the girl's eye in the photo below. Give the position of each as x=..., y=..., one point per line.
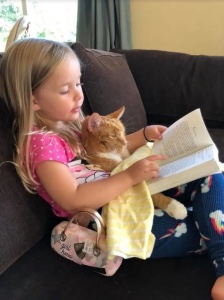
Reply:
x=64, y=92
x=67, y=91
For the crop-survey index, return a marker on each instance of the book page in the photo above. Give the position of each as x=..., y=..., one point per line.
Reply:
x=202, y=163
x=185, y=136
x=187, y=162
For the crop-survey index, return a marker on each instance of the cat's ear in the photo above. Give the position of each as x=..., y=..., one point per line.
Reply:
x=117, y=114
x=94, y=122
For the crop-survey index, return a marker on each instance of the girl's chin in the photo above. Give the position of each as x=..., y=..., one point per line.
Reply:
x=74, y=117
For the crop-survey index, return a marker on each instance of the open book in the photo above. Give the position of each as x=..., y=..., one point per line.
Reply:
x=190, y=151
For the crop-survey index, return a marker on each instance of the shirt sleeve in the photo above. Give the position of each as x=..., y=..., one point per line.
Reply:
x=47, y=146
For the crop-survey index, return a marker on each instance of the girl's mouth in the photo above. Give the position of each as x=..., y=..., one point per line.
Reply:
x=75, y=110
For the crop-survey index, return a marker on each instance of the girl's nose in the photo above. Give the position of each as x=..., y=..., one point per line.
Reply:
x=78, y=94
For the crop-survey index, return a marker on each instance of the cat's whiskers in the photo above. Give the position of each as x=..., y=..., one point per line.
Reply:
x=112, y=149
x=129, y=124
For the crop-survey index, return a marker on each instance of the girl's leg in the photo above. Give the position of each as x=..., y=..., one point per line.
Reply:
x=208, y=209
x=204, y=227
x=175, y=237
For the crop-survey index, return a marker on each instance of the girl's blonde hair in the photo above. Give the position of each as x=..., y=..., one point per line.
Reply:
x=26, y=65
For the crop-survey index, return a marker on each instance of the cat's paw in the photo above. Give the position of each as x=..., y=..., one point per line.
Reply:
x=176, y=210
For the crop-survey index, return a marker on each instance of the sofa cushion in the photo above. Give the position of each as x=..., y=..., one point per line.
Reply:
x=24, y=218
x=43, y=274
x=109, y=84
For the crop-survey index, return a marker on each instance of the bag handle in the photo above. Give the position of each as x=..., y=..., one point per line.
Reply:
x=92, y=212
x=97, y=219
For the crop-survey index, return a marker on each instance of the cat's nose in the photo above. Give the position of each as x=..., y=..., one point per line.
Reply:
x=125, y=142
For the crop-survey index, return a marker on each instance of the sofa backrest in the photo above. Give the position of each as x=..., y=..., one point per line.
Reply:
x=173, y=84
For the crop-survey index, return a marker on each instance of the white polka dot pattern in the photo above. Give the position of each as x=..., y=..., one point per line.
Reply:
x=45, y=147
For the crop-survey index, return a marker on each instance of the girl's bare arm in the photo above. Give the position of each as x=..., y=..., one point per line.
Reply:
x=64, y=190
x=137, y=139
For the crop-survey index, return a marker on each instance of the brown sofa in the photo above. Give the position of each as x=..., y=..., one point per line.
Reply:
x=155, y=87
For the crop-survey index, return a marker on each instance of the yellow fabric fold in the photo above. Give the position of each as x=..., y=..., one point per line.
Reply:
x=129, y=217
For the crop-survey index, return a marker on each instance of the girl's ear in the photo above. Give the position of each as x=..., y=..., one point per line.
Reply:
x=94, y=122
x=35, y=104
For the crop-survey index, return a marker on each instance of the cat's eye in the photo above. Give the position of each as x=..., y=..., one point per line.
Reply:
x=103, y=143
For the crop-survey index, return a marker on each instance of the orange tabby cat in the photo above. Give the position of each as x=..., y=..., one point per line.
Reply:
x=103, y=138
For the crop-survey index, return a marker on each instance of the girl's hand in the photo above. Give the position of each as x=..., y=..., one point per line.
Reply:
x=145, y=169
x=154, y=132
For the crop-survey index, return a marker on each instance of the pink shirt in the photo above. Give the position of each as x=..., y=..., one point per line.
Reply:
x=50, y=146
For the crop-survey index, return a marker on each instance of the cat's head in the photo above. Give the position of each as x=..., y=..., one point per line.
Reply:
x=104, y=133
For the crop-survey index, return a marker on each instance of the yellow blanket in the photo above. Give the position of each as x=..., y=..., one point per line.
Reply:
x=129, y=217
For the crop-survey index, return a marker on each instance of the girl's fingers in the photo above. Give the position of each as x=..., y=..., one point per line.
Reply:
x=156, y=157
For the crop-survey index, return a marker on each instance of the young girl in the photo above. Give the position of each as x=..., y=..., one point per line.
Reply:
x=40, y=82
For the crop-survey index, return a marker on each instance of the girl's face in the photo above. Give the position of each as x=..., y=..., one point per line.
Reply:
x=60, y=97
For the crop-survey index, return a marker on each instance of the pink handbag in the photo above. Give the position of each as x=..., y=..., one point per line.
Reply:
x=85, y=246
